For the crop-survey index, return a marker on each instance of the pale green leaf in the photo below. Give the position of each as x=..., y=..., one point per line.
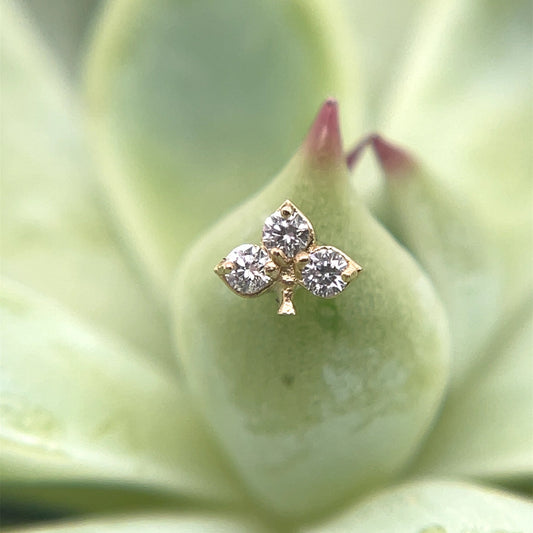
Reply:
x=381, y=30
x=462, y=98
x=434, y=507
x=65, y=25
x=458, y=98
x=462, y=101
x=162, y=523
x=195, y=105
x=458, y=251
x=55, y=235
x=486, y=428
x=316, y=407
x=78, y=406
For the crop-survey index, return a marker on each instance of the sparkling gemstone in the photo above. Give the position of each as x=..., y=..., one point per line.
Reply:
x=322, y=274
x=291, y=235
x=248, y=276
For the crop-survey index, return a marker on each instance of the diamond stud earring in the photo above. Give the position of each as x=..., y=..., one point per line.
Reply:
x=288, y=257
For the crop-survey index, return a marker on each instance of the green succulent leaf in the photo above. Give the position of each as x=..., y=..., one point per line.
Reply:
x=64, y=25
x=316, y=407
x=491, y=416
x=37, y=500
x=81, y=407
x=462, y=101
x=54, y=234
x=455, y=247
x=187, y=99
x=435, y=507
x=191, y=107
x=492, y=383
x=164, y=523
x=381, y=31
x=461, y=98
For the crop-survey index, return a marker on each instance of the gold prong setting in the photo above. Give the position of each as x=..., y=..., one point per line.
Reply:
x=286, y=210
x=300, y=261
x=272, y=270
x=279, y=257
x=287, y=258
x=351, y=271
x=224, y=267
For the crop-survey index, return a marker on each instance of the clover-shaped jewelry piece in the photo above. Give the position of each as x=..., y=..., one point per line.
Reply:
x=287, y=257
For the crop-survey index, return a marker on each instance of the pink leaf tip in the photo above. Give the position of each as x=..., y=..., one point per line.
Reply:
x=393, y=160
x=353, y=156
x=324, y=142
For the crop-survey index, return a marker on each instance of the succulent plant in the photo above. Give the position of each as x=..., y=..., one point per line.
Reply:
x=138, y=393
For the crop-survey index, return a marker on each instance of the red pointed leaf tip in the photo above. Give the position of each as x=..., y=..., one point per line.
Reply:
x=323, y=143
x=354, y=155
x=394, y=161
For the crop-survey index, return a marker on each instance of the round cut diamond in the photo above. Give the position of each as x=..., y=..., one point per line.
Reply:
x=322, y=274
x=291, y=235
x=248, y=276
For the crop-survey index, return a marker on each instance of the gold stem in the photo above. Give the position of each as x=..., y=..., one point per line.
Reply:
x=286, y=307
